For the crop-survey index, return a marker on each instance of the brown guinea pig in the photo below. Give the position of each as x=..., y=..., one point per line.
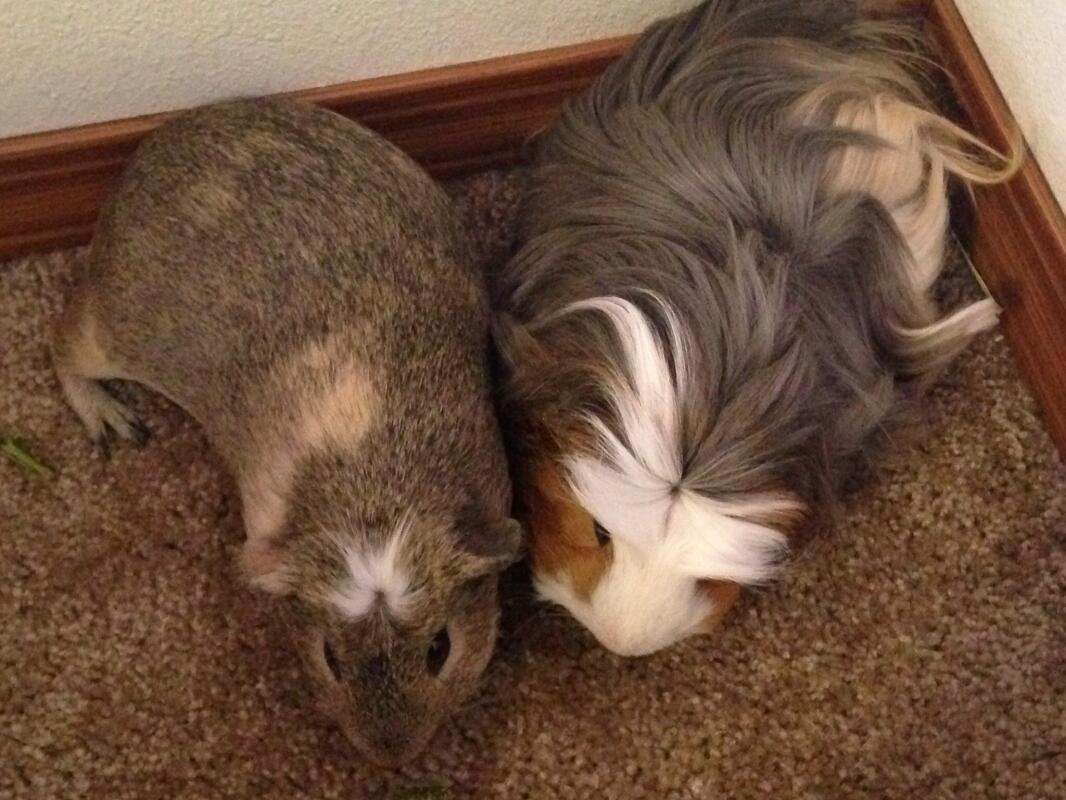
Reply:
x=722, y=298
x=304, y=290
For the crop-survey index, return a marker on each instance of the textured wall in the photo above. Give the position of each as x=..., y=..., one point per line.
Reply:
x=68, y=62
x=1024, y=42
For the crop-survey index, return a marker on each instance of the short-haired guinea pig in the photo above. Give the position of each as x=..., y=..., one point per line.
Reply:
x=721, y=299
x=306, y=293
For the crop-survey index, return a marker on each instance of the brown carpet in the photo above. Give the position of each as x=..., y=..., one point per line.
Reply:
x=917, y=649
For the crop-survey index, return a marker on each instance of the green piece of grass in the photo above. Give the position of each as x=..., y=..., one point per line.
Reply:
x=430, y=792
x=18, y=453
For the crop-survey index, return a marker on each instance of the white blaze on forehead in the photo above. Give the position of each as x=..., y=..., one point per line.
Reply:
x=375, y=576
x=706, y=539
x=634, y=486
x=645, y=395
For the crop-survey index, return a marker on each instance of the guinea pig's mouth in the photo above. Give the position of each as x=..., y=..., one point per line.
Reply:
x=393, y=753
x=388, y=749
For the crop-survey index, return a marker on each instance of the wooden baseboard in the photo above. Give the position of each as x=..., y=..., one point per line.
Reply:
x=475, y=116
x=453, y=120
x=1018, y=236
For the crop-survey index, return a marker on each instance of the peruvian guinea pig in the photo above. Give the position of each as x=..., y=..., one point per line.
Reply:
x=305, y=291
x=722, y=296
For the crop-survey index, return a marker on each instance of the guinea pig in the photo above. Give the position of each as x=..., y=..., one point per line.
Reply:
x=306, y=293
x=722, y=298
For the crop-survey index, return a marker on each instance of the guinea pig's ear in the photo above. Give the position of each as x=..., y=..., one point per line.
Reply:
x=266, y=564
x=490, y=545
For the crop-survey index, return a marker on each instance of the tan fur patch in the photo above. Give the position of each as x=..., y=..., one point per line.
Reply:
x=906, y=176
x=333, y=399
x=340, y=416
x=210, y=202
x=563, y=538
x=892, y=174
x=333, y=410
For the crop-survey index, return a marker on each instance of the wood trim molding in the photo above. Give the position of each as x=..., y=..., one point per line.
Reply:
x=453, y=119
x=480, y=115
x=1018, y=239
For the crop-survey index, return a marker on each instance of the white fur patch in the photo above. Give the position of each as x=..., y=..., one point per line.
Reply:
x=639, y=606
x=645, y=395
x=649, y=597
x=962, y=324
x=375, y=577
x=665, y=537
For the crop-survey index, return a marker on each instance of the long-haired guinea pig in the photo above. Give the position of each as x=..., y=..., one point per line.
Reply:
x=304, y=291
x=721, y=297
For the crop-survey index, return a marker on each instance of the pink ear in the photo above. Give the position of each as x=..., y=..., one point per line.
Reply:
x=266, y=566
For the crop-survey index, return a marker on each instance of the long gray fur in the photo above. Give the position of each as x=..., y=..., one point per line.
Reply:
x=679, y=173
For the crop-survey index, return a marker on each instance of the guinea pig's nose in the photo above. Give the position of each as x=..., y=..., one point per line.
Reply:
x=376, y=751
x=393, y=751
x=386, y=759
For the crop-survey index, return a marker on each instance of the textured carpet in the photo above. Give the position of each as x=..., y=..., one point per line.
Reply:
x=916, y=649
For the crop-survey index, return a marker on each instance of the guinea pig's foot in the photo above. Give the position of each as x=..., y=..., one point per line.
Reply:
x=134, y=431
x=139, y=432
x=102, y=445
x=126, y=424
x=102, y=414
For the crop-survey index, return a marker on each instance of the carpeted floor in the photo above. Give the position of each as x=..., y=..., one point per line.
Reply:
x=917, y=649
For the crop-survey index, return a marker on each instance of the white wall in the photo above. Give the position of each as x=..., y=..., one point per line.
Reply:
x=1024, y=42
x=68, y=62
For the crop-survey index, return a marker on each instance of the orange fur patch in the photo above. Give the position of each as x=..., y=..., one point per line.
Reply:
x=723, y=595
x=563, y=538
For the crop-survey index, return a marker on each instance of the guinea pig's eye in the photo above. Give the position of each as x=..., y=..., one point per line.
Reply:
x=331, y=660
x=437, y=654
x=602, y=536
